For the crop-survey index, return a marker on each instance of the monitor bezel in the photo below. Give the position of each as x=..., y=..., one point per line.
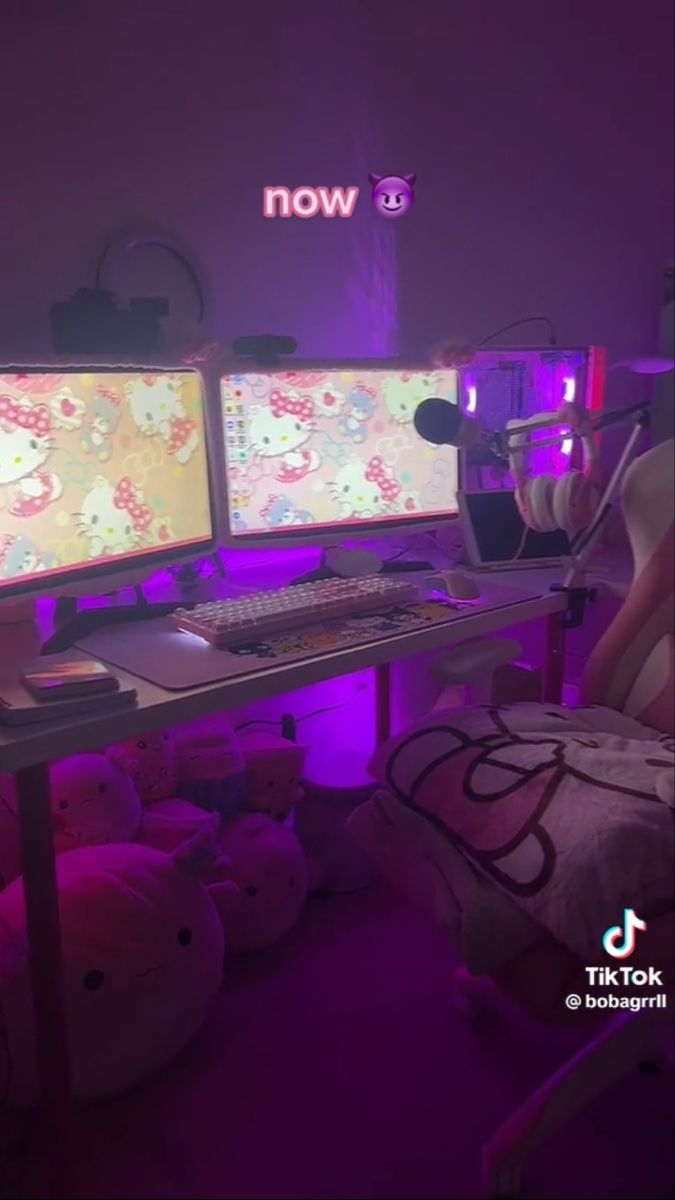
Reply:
x=128, y=571
x=324, y=535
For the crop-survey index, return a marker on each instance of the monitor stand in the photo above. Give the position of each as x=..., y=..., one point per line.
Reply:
x=72, y=624
x=352, y=564
x=78, y=625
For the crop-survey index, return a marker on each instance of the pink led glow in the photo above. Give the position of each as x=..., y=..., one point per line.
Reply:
x=567, y=445
x=569, y=390
x=471, y=399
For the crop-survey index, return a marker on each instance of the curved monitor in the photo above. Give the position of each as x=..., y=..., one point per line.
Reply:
x=329, y=452
x=102, y=471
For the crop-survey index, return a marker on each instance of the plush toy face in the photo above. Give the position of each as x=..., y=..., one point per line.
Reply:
x=150, y=762
x=142, y=952
x=275, y=769
x=269, y=869
x=93, y=802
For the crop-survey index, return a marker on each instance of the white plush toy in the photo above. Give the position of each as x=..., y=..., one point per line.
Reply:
x=93, y=802
x=142, y=959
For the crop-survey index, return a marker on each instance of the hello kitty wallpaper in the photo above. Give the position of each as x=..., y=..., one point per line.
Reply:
x=333, y=448
x=110, y=466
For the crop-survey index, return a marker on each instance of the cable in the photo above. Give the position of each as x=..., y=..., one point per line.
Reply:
x=133, y=243
x=318, y=712
x=553, y=337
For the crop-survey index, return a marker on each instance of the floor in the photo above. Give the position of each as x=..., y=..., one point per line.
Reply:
x=336, y=1067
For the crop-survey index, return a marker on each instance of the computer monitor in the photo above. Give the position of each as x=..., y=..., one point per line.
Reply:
x=324, y=453
x=102, y=471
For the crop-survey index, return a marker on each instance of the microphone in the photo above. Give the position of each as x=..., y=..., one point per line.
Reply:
x=443, y=423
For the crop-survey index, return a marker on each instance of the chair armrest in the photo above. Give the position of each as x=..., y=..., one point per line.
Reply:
x=474, y=660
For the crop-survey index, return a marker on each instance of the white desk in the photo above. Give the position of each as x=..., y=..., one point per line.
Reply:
x=27, y=751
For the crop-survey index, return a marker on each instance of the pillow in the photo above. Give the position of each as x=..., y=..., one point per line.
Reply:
x=265, y=874
x=150, y=761
x=93, y=802
x=142, y=960
x=170, y=824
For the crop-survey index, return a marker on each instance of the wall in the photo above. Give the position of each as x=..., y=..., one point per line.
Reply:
x=540, y=134
x=542, y=139
x=178, y=113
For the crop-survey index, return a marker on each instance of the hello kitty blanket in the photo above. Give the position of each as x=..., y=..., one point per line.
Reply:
x=568, y=814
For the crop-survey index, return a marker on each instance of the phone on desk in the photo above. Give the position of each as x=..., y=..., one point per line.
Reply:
x=69, y=679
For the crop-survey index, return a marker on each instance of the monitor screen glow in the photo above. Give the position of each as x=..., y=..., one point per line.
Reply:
x=100, y=470
x=332, y=451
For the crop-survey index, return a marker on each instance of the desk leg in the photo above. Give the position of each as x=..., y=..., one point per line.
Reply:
x=554, y=662
x=44, y=942
x=382, y=703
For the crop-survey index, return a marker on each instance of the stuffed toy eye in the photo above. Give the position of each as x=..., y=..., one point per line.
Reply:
x=102, y=787
x=142, y=745
x=93, y=981
x=184, y=936
x=251, y=890
x=63, y=803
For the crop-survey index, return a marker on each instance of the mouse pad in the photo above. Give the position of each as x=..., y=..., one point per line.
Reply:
x=179, y=661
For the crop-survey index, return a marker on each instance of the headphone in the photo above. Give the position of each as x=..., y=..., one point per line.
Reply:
x=545, y=503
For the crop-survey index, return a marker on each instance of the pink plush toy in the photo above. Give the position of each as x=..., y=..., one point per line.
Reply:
x=269, y=869
x=10, y=844
x=275, y=768
x=151, y=763
x=211, y=767
x=171, y=824
x=93, y=802
x=143, y=959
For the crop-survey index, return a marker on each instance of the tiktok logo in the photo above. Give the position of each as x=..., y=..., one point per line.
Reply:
x=619, y=940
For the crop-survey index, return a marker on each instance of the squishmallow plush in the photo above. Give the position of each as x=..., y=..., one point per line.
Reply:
x=274, y=767
x=269, y=869
x=211, y=767
x=171, y=824
x=142, y=960
x=93, y=802
x=10, y=842
x=150, y=762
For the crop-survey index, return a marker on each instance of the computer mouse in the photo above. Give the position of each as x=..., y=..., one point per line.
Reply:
x=455, y=585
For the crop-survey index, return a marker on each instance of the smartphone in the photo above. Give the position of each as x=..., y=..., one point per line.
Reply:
x=75, y=677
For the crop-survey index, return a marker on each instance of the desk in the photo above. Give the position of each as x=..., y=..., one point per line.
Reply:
x=27, y=751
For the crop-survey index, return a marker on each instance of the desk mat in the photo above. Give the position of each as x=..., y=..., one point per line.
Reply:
x=178, y=661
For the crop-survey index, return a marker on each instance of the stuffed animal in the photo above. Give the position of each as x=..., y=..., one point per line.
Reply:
x=142, y=962
x=10, y=842
x=268, y=866
x=171, y=824
x=151, y=763
x=274, y=767
x=211, y=768
x=93, y=803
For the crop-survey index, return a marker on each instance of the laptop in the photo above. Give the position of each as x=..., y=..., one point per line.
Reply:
x=496, y=537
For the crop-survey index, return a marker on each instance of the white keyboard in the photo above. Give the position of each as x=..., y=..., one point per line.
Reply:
x=227, y=622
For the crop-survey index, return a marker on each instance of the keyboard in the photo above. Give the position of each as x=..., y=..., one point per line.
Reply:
x=228, y=622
